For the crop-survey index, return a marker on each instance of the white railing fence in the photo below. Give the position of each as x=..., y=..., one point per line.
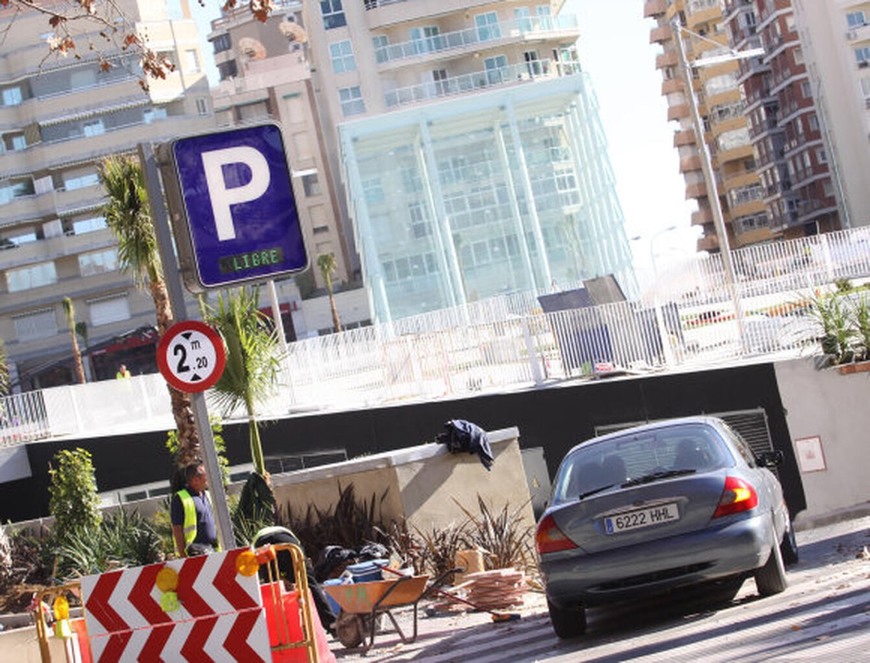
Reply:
x=685, y=319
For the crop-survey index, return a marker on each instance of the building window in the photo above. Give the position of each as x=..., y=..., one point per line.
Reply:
x=93, y=128
x=191, y=60
x=222, y=43
x=341, y=53
x=814, y=122
x=18, y=142
x=333, y=14
x=420, y=227
x=381, y=42
x=98, y=262
x=12, y=96
x=351, y=101
x=487, y=26
x=81, y=181
x=862, y=55
x=32, y=276
x=202, y=106
x=90, y=225
x=227, y=70
x=373, y=191
x=149, y=115
x=36, y=325
x=821, y=155
x=311, y=185
x=107, y=310
x=12, y=190
x=856, y=20
x=320, y=230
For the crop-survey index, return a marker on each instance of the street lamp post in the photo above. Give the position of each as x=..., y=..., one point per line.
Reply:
x=661, y=327
x=707, y=162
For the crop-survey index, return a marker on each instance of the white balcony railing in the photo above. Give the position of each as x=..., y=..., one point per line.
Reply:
x=495, y=32
x=478, y=80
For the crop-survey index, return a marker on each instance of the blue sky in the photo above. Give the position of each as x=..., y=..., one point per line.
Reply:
x=615, y=51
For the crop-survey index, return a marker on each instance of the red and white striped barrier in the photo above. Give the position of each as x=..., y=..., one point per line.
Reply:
x=215, y=614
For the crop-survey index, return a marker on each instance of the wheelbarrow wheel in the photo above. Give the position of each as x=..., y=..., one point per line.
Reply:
x=350, y=629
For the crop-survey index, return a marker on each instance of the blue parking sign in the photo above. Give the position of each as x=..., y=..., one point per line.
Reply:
x=240, y=207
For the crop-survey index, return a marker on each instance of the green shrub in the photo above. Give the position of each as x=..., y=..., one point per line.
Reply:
x=73, y=499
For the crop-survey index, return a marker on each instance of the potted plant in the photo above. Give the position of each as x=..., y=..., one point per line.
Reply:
x=843, y=317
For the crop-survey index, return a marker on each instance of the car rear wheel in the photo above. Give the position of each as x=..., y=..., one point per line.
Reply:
x=789, y=547
x=567, y=622
x=770, y=578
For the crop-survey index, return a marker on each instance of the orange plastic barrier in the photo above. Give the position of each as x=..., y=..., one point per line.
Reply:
x=279, y=634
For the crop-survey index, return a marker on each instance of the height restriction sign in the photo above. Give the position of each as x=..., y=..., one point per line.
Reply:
x=191, y=356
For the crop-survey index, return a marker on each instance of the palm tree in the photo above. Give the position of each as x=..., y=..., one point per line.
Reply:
x=250, y=376
x=4, y=371
x=253, y=360
x=129, y=217
x=327, y=266
x=70, y=313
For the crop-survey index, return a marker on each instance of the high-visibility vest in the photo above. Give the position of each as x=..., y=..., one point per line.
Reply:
x=188, y=528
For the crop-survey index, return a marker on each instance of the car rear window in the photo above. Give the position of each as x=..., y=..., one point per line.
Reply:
x=686, y=447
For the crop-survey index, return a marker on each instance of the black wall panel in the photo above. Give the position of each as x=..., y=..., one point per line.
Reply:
x=555, y=418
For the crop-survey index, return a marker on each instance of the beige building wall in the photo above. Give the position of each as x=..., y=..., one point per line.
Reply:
x=831, y=47
x=831, y=407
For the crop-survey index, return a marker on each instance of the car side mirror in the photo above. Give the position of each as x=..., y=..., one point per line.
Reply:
x=769, y=458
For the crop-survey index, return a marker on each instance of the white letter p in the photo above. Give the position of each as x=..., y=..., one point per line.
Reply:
x=221, y=196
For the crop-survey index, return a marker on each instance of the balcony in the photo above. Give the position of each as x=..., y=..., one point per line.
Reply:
x=53, y=248
x=684, y=137
x=661, y=34
x=708, y=243
x=479, y=80
x=690, y=164
x=678, y=112
x=696, y=191
x=654, y=8
x=666, y=59
x=702, y=217
x=489, y=36
x=672, y=85
x=858, y=33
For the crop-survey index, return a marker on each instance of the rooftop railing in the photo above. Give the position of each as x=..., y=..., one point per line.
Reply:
x=684, y=320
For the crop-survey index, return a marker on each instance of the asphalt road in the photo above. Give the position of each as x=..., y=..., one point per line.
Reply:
x=824, y=615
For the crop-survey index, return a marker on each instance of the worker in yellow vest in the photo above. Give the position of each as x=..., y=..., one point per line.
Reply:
x=193, y=525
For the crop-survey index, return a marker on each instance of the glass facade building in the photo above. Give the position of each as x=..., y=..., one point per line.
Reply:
x=493, y=193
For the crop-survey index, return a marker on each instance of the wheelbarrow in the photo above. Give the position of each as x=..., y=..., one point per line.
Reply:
x=363, y=603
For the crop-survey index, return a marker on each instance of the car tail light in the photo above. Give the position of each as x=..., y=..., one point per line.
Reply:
x=737, y=496
x=549, y=538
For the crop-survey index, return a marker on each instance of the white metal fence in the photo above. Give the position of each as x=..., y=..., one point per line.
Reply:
x=686, y=318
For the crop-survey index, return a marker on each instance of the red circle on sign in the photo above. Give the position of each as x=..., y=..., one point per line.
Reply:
x=191, y=356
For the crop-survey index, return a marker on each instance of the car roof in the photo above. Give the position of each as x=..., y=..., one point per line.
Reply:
x=652, y=426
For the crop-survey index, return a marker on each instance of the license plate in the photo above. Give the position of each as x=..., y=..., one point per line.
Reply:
x=654, y=515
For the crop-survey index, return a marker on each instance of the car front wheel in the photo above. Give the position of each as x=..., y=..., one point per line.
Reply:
x=567, y=622
x=770, y=579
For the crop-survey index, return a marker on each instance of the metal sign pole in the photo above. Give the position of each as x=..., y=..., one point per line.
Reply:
x=172, y=278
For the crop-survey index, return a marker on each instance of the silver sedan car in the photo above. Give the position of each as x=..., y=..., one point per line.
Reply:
x=661, y=506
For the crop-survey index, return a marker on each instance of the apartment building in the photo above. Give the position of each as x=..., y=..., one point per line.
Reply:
x=722, y=105
x=791, y=155
x=469, y=146
x=58, y=120
x=265, y=76
x=835, y=36
x=765, y=129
